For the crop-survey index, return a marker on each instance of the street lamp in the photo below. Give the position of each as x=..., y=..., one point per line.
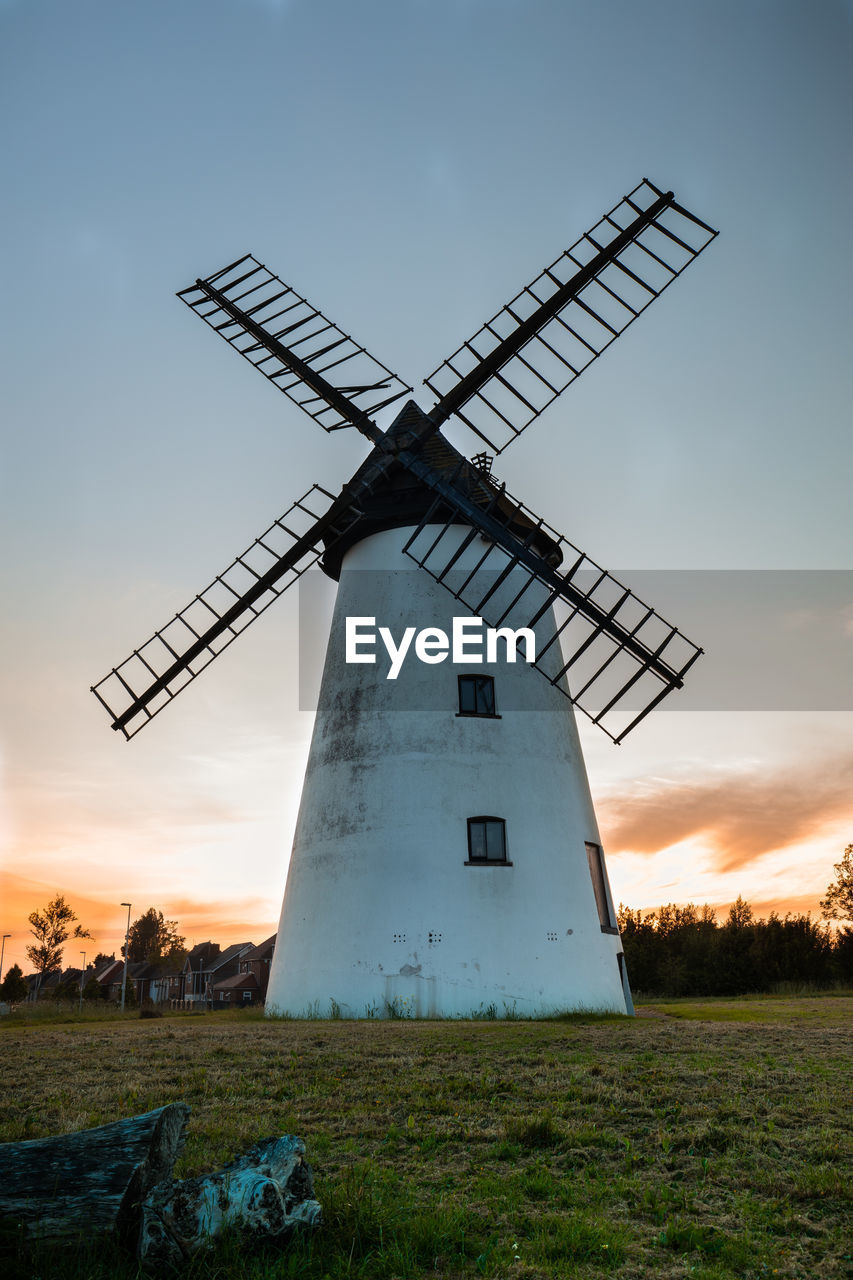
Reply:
x=3, y=952
x=82, y=976
x=126, y=936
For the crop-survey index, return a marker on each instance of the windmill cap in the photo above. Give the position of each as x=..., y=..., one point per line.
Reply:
x=401, y=499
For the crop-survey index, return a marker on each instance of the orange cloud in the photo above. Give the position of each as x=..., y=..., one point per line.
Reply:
x=798, y=905
x=741, y=816
x=231, y=920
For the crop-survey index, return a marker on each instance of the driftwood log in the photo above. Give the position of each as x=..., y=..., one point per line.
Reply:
x=267, y=1193
x=119, y=1178
x=94, y=1180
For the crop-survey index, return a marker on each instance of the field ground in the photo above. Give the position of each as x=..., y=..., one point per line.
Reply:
x=708, y=1139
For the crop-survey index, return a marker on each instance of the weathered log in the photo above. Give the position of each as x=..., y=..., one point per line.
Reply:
x=267, y=1192
x=93, y=1180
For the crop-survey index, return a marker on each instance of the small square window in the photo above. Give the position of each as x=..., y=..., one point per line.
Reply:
x=486, y=840
x=476, y=695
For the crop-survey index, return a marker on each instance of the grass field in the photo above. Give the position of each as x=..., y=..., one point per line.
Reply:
x=707, y=1139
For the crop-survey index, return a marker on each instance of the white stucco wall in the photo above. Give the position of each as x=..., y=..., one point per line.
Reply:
x=379, y=905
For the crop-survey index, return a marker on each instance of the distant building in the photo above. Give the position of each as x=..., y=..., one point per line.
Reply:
x=249, y=984
x=206, y=966
x=109, y=979
x=64, y=984
x=240, y=989
x=208, y=978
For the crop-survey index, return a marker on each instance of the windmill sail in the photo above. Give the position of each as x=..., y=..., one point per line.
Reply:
x=138, y=688
x=317, y=366
x=617, y=657
x=533, y=348
x=620, y=657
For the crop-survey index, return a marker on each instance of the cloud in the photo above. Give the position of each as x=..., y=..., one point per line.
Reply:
x=798, y=905
x=739, y=815
x=247, y=919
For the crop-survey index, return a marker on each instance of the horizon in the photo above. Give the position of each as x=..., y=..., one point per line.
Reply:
x=108, y=941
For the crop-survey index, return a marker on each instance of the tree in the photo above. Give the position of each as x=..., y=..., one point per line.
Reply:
x=67, y=989
x=838, y=903
x=14, y=987
x=92, y=990
x=152, y=938
x=51, y=929
x=101, y=961
x=740, y=914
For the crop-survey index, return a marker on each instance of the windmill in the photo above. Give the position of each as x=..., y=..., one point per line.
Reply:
x=446, y=856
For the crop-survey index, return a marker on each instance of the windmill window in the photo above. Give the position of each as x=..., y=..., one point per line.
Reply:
x=477, y=696
x=487, y=842
x=599, y=886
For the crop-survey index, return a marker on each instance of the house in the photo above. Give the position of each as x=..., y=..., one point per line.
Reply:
x=143, y=976
x=239, y=990
x=249, y=984
x=205, y=967
x=109, y=979
x=168, y=987
x=209, y=977
x=225, y=967
x=195, y=973
x=176, y=984
x=51, y=985
x=42, y=984
x=61, y=985
x=259, y=960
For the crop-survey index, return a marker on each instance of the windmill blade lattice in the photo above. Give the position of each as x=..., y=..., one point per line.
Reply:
x=533, y=348
x=620, y=656
x=612, y=655
x=141, y=686
x=266, y=321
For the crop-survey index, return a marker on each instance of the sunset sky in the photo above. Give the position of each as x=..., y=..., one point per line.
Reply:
x=409, y=165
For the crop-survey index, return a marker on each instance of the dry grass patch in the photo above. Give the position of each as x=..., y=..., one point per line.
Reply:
x=664, y=1146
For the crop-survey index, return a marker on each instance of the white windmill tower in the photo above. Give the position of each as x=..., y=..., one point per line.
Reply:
x=446, y=857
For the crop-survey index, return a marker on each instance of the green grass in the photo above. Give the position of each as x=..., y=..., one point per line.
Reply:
x=704, y=1139
x=810, y=1006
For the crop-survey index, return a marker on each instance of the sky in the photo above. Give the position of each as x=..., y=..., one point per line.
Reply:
x=408, y=166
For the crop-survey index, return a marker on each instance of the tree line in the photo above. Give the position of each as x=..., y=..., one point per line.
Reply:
x=681, y=951
x=684, y=951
